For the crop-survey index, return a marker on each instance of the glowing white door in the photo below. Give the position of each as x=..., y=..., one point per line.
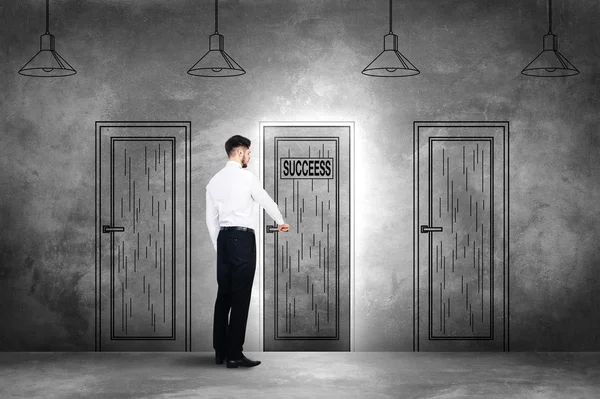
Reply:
x=306, y=272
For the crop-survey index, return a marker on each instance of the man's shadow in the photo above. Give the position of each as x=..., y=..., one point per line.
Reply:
x=196, y=359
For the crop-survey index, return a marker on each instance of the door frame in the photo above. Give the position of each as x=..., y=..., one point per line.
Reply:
x=187, y=216
x=259, y=262
x=417, y=234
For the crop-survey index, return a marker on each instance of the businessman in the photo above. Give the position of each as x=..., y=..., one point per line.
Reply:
x=230, y=196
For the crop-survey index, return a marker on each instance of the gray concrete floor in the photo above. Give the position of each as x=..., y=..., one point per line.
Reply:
x=300, y=375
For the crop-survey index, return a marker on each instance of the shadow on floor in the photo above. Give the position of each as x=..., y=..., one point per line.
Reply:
x=197, y=360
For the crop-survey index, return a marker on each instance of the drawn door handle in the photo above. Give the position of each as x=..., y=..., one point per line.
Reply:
x=427, y=229
x=272, y=229
x=111, y=229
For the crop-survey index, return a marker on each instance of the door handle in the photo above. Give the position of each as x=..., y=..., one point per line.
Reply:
x=272, y=229
x=427, y=229
x=111, y=229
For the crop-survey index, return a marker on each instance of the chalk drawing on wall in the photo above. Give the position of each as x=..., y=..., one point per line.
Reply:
x=47, y=62
x=390, y=62
x=550, y=63
x=216, y=62
x=143, y=271
x=460, y=227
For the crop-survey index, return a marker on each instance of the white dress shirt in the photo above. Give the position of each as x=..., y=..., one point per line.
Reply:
x=230, y=198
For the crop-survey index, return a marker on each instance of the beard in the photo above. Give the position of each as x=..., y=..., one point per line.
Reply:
x=244, y=163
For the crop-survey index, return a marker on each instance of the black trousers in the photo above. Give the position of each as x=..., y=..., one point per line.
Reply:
x=236, y=264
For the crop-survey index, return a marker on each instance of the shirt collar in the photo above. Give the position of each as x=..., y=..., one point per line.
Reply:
x=233, y=163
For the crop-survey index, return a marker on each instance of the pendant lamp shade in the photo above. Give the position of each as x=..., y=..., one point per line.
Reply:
x=47, y=62
x=390, y=62
x=550, y=63
x=216, y=62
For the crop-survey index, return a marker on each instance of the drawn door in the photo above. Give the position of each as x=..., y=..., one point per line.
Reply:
x=143, y=236
x=306, y=276
x=460, y=230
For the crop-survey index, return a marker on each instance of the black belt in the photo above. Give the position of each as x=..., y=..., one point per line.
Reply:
x=237, y=228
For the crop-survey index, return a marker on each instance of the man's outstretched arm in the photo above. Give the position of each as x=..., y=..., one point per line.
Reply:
x=264, y=199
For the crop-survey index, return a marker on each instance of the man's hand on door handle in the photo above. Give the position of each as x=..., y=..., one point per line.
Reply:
x=283, y=227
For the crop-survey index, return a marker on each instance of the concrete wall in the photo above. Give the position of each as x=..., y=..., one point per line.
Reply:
x=303, y=61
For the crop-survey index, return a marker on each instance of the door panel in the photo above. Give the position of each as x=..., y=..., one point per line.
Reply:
x=143, y=231
x=307, y=271
x=461, y=267
x=144, y=252
x=466, y=260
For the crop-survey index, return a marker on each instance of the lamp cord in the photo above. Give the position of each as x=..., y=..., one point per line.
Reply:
x=47, y=14
x=549, y=16
x=390, y=16
x=216, y=16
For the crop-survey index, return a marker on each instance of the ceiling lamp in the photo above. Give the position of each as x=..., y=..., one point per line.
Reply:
x=216, y=62
x=47, y=62
x=390, y=63
x=550, y=63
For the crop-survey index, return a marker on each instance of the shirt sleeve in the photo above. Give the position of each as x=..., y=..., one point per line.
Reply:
x=263, y=198
x=212, y=219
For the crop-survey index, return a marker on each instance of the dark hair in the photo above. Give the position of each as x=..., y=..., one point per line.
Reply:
x=234, y=142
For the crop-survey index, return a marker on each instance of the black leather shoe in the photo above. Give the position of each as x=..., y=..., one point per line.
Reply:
x=219, y=357
x=243, y=362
